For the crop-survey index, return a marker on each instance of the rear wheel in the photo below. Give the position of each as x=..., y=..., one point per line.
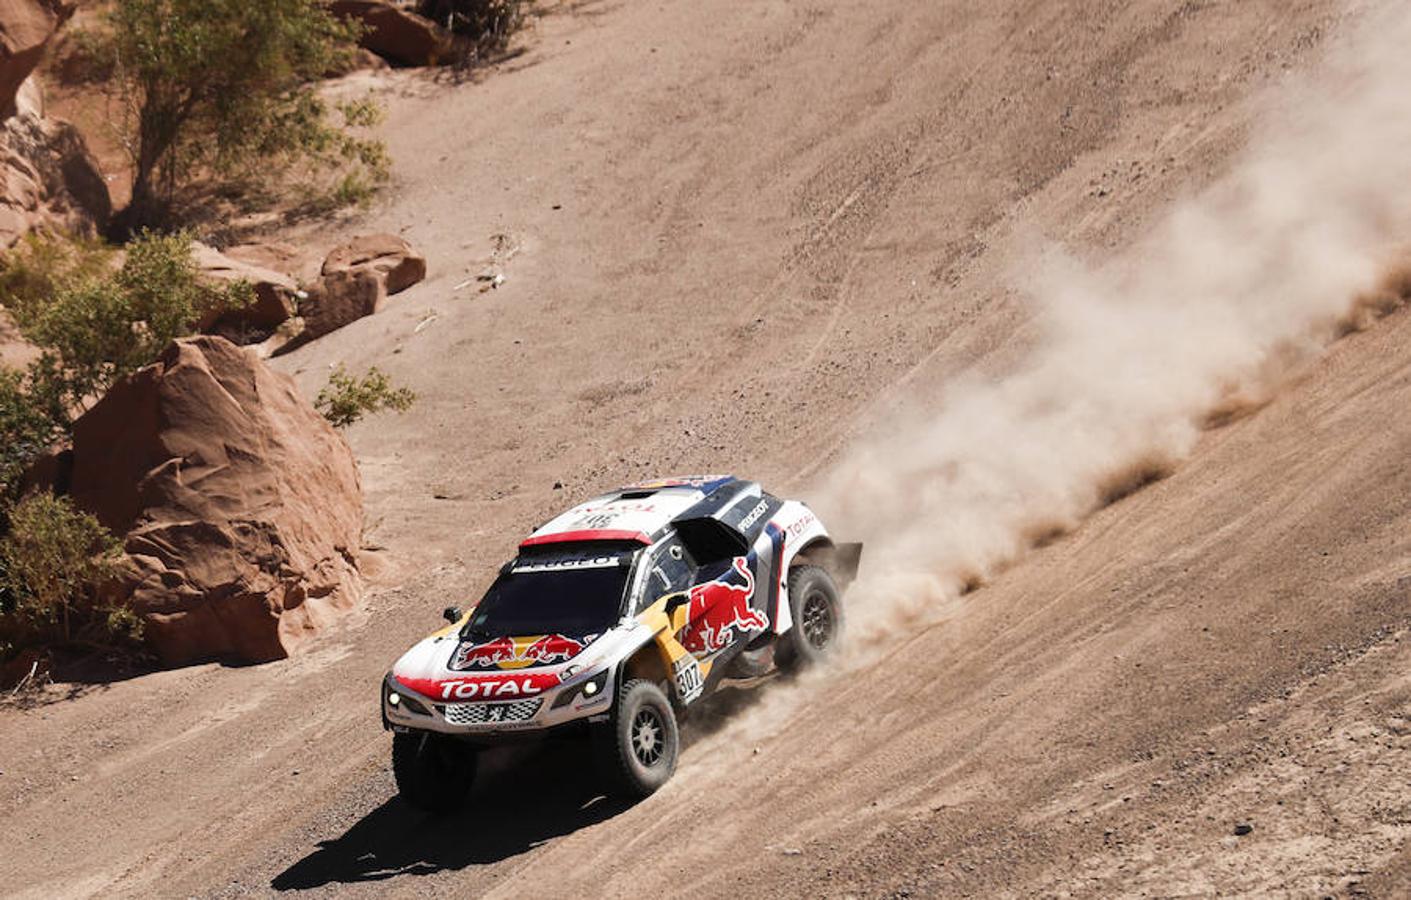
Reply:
x=818, y=620
x=637, y=748
x=433, y=772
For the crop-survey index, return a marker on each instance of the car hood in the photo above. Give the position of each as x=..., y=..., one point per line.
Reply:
x=514, y=653
x=524, y=666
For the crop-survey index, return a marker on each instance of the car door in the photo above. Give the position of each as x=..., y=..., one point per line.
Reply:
x=722, y=613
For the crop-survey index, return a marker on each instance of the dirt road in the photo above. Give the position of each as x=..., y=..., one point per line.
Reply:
x=736, y=237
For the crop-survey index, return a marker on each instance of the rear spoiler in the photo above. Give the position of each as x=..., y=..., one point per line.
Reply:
x=726, y=521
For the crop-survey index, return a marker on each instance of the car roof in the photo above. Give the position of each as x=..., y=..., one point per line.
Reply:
x=633, y=513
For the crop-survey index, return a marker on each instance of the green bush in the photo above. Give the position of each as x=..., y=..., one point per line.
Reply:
x=226, y=87
x=346, y=398
x=94, y=325
x=52, y=562
x=97, y=325
x=27, y=430
x=41, y=265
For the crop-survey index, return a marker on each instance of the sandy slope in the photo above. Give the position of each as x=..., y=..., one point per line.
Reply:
x=734, y=236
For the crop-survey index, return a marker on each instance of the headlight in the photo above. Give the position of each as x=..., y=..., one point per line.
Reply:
x=404, y=702
x=585, y=691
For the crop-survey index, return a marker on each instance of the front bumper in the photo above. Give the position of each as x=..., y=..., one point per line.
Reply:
x=525, y=716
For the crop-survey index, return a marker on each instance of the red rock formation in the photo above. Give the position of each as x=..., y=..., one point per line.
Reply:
x=397, y=35
x=386, y=254
x=340, y=298
x=275, y=297
x=239, y=506
x=26, y=27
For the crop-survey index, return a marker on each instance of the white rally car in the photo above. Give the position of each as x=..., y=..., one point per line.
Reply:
x=610, y=623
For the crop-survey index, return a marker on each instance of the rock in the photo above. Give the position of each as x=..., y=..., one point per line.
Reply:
x=26, y=28
x=390, y=256
x=29, y=99
x=1243, y=829
x=362, y=60
x=277, y=256
x=238, y=505
x=51, y=473
x=276, y=297
x=398, y=35
x=285, y=337
x=340, y=298
x=48, y=177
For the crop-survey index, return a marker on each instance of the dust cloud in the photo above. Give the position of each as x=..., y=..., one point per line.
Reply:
x=1200, y=322
x=1231, y=294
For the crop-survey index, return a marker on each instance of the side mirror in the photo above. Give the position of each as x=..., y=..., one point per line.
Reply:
x=452, y=614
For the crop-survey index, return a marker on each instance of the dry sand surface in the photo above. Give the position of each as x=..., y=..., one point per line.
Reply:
x=755, y=238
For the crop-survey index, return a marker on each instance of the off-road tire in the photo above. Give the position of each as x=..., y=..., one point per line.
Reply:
x=637, y=747
x=433, y=772
x=818, y=620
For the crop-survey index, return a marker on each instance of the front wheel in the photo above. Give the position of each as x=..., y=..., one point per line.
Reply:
x=818, y=620
x=637, y=749
x=433, y=772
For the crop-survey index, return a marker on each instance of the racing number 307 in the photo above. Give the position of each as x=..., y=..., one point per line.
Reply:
x=688, y=677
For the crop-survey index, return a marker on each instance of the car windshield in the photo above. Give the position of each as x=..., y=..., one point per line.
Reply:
x=573, y=593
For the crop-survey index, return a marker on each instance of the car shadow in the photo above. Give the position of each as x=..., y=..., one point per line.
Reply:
x=522, y=798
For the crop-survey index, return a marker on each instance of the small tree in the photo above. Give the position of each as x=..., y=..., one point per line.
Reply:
x=346, y=398
x=226, y=86
x=52, y=561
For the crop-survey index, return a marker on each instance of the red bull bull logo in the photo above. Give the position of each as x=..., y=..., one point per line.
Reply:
x=517, y=653
x=720, y=612
x=490, y=653
x=553, y=648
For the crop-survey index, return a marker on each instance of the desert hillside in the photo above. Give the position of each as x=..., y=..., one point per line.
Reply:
x=1054, y=304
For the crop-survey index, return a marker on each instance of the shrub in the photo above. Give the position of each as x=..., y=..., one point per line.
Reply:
x=97, y=325
x=94, y=325
x=41, y=265
x=26, y=431
x=346, y=399
x=52, y=562
x=226, y=86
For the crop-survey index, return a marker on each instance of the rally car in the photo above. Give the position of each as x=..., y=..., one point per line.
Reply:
x=611, y=623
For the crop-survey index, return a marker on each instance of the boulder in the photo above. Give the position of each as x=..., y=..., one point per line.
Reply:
x=362, y=60
x=239, y=506
x=276, y=298
x=50, y=473
x=386, y=254
x=48, y=177
x=277, y=256
x=396, y=34
x=285, y=337
x=26, y=28
x=339, y=298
